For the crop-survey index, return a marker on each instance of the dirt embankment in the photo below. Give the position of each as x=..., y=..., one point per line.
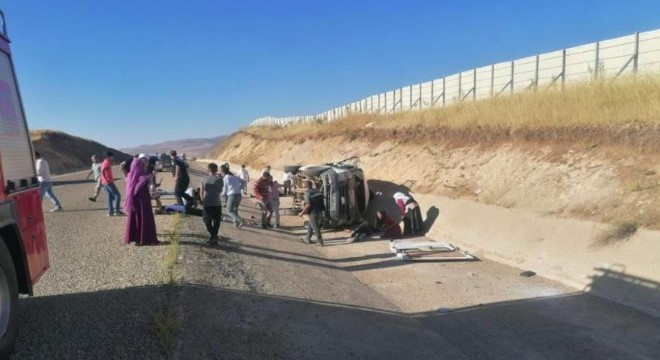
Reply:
x=597, y=181
x=67, y=153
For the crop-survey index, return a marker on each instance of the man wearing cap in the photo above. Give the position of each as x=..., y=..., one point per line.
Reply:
x=108, y=181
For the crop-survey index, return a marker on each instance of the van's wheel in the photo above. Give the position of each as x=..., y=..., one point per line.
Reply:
x=8, y=302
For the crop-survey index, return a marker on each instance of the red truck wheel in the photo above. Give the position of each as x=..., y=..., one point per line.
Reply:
x=8, y=302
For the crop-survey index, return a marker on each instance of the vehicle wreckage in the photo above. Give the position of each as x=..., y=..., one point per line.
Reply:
x=344, y=188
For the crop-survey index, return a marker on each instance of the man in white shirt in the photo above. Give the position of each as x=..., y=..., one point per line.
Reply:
x=46, y=182
x=96, y=171
x=287, y=180
x=245, y=176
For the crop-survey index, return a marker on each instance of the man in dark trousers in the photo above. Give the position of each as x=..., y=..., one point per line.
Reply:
x=261, y=191
x=314, y=207
x=181, y=180
x=212, y=207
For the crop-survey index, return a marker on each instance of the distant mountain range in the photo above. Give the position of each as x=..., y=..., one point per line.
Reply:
x=191, y=147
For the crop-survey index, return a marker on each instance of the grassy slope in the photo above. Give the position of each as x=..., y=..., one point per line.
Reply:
x=625, y=112
x=590, y=151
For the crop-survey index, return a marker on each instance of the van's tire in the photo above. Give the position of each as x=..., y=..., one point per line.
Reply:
x=292, y=168
x=9, y=302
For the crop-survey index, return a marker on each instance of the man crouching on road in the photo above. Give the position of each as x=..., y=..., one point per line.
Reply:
x=314, y=207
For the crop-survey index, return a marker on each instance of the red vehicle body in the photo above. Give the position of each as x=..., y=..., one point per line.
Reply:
x=23, y=248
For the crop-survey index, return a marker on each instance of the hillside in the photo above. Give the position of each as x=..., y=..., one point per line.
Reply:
x=67, y=153
x=191, y=147
x=589, y=152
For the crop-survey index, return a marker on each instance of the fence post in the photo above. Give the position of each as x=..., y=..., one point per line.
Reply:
x=596, y=60
x=474, y=85
x=420, y=95
x=410, y=96
x=563, y=68
x=432, y=93
x=394, y=101
x=460, y=86
x=385, y=101
x=444, y=92
x=401, y=99
x=536, y=74
x=492, y=79
x=512, y=72
x=636, y=55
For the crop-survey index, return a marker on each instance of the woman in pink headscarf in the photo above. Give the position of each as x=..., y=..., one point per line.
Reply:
x=140, y=226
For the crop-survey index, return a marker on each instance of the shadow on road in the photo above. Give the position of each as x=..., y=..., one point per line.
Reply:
x=73, y=182
x=117, y=324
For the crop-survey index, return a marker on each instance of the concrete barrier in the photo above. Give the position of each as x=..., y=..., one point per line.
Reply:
x=559, y=249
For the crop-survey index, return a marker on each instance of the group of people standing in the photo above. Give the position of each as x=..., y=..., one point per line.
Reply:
x=220, y=183
x=141, y=189
x=213, y=189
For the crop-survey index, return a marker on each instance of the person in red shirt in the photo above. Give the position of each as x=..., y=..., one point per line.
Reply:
x=262, y=193
x=108, y=181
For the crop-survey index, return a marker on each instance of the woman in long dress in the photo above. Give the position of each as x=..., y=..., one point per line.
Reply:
x=140, y=226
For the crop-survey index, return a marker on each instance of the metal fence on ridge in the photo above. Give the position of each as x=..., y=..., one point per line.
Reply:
x=639, y=52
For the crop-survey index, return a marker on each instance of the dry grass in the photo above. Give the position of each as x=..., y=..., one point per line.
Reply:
x=174, y=249
x=625, y=111
x=165, y=318
x=615, y=235
x=166, y=323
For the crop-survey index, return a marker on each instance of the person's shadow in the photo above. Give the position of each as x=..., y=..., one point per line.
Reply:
x=431, y=215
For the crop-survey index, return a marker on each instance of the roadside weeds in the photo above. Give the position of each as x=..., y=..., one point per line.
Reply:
x=166, y=320
x=615, y=235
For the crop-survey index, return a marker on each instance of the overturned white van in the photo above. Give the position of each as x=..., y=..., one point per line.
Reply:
x=343, y=185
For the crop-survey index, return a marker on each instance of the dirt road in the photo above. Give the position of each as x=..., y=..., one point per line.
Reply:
x=266, y=295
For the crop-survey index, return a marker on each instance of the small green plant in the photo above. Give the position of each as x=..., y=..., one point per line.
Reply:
x=616, y=235
x=174, y=249
x=165, y=318
x=166, y=322
x=635, y=185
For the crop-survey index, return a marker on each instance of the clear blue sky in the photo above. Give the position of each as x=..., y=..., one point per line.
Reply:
x=132, y=72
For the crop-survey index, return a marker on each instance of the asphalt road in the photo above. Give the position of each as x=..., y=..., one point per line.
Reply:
x=266, y=295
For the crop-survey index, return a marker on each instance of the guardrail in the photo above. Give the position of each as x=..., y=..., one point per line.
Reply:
x=639, y=52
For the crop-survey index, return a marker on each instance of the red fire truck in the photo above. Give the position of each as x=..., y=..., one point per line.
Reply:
x=23, y=249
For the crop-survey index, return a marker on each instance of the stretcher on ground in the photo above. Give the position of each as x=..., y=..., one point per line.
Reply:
x=428, y=250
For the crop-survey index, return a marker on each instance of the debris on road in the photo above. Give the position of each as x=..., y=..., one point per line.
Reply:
x=527, y=273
